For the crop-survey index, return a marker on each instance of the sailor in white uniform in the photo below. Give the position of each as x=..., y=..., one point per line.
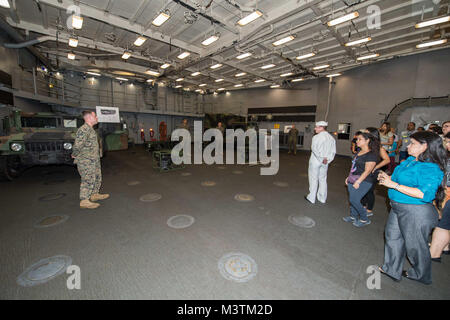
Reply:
x=323, y=150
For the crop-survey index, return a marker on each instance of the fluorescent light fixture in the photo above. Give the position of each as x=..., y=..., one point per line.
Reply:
x=179, y=86
x=268, y=66
x=165, y=66
x=298, y=80
x=286, y=74
x=238, y=85
x=202, y=85
x=306, y=56
x=216, y=66
x=431, y=43
x=160, y=19
x=187, y=89
x=321, y=67
x=283, y=41
x=77, y=22
x=126, y=55
x=73, y=42
x=184, y=55
x=251, y=17
x=122, y=79
x=243, y=56
x=240, y=74
x=5, y=4
x=179, y=79
x=210, y=40
x=71, y=56
x=343, y=19
x=432, y=22
x=94, y=73
x=150, y=80
x=198, y=90
x=153, y=73
x=140, y=41
x=195, y=74
x=359, y=41
x=275, y=86
x=370, y=56
x=334, y=75
x=260, y=80
x=220, y=89
x=219, y=80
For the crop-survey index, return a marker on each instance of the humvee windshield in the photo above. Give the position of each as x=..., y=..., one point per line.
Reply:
x=38, y=122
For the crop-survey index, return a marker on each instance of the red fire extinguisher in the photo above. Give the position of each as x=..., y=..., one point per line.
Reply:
x=142, y=135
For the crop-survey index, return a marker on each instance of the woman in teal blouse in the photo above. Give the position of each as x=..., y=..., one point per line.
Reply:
x=416, y=182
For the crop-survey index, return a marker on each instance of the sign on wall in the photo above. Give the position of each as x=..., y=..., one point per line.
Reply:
x=108, y=114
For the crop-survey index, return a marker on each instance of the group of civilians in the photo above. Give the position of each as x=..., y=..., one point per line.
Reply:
x=418, y=190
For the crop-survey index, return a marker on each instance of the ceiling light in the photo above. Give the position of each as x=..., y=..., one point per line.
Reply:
x=122, y=79
x=343, y=19
x=153, y=73
x=71, y=56
x=431, y=43
x=187, y=89
x=243, y=56
x=432, y=22
x=202, y=85
x=334, y=75
x=275, y=86
x=5, y=4
x=238, y=85
x=216, y=66
x=150, y=80
x=321, y=67
x=306, y=56
x=126, y=55
x=283, y=41
x=160, y=19
x=140, y=41
x=198, y=90
x=219, y=80
x=165, y=66
x=240, y=74
x=179, y=86
x=298, y=80
x=251, y=17
x=77, y=22
x=195, y=74
x=359, y=41
x=179, y=79
x=210, y=40
x=220, y=89
x=260, y=80
x=73, y=42
x=370, y=56
x=268, y=66
x=286, y=74
x=184, y=55
x=94, y=73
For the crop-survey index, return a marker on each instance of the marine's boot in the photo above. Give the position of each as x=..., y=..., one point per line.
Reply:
x=98, y=196
x=86, y=204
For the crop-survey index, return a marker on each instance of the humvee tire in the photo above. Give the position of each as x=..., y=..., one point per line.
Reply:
x=8, y=169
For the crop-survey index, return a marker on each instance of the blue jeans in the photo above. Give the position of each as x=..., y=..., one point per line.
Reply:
x=357, y=210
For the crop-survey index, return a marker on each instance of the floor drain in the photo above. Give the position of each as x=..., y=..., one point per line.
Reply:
x=53, y=182
x=180, y=221
x=281, y=184
x=208, y=183
x=44, y=270
x=244, y=197
x=52, y=197
x=302, y=221
x=238, y=172
x=133, y=183
x=186, y=174
x=150, y=197
x=237, y=267
x=51, y=221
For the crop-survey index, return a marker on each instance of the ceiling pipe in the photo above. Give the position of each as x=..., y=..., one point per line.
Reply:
x=27, y=43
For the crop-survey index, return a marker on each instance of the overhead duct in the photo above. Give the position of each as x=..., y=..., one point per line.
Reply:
x=27, y=43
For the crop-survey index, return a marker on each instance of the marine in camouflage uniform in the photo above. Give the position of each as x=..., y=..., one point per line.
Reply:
x=292, y=140
x=87, y=158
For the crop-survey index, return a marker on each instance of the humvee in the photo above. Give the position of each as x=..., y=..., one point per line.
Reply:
x=31, y=139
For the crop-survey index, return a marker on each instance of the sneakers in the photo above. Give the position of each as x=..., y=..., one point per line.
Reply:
x=98, y=196
x=86, y=204
x=359, y=223
x=348, y=219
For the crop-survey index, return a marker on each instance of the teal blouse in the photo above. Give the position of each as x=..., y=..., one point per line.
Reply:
x=426, y=176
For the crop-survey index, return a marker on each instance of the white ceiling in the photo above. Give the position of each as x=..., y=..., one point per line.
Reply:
x=111, y=26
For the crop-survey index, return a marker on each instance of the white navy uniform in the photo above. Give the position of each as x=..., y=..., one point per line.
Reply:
x=323, y=146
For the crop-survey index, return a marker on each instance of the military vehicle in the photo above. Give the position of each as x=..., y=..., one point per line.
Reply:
x=31, y=139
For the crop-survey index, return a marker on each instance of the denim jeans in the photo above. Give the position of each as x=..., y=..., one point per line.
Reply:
x=357, y=210
x=407, y=231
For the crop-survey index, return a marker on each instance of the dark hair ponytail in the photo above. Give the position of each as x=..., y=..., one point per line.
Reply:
x=434, y=153
x=374, y=142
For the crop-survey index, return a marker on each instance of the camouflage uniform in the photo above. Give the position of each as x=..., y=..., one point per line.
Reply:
x=292, y=140
x=87, y=158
